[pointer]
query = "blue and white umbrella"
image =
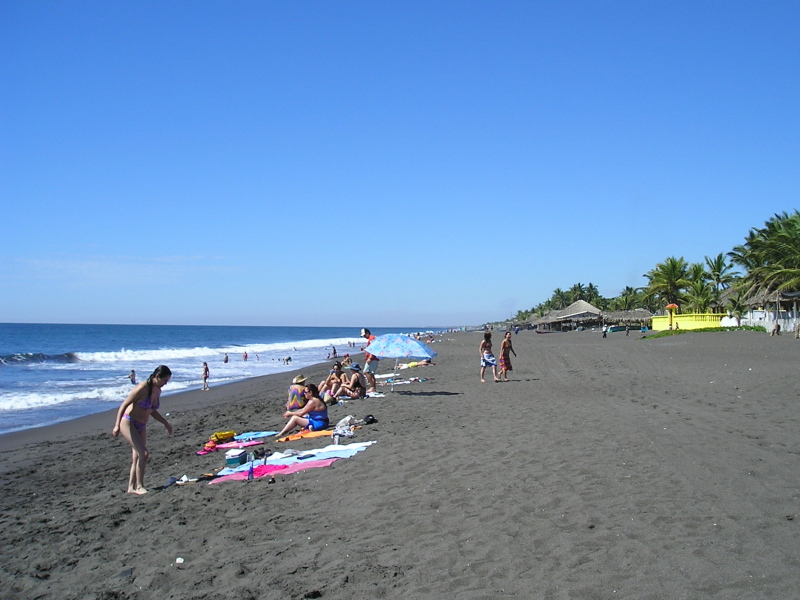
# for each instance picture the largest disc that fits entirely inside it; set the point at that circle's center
(397, 346)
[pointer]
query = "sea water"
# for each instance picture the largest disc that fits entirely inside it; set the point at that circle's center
(52, 373)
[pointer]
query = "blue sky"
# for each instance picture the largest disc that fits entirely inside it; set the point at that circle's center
(381, 163)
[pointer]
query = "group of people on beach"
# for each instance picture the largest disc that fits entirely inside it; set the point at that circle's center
(488, 359)
(305, 407)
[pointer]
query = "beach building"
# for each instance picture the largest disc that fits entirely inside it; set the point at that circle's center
(767, 309)
(581, 314)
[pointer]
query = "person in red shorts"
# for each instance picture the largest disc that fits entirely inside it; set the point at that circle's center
(370, 361)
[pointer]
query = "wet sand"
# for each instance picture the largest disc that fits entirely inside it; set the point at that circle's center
(617, 468)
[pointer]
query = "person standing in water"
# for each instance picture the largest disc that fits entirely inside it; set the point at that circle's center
(132, 416)
(205, 376)
(132, 377)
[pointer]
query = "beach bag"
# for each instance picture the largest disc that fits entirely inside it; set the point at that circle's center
(344, 428)
(220, 437)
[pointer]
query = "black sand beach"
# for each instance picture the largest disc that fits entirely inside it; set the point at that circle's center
(606, 469)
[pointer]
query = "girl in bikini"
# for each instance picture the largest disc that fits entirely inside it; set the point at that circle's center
(132, 417)
(487, 358)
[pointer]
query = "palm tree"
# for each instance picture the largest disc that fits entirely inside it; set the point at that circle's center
(577, 292)
(592, 293)
(628, 299)
(667, 280)
(721, 272)
(697, 272)
(699, 296)
(771, 255)
(560, 299)
(737, 307)
(543, 308)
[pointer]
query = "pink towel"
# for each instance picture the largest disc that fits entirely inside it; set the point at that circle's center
(265, 470)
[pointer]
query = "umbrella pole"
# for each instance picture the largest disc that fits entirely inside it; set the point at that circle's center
(396, 360)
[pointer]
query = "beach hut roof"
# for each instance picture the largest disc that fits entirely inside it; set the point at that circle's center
(578, 309)
(762, 297)
(638, 315)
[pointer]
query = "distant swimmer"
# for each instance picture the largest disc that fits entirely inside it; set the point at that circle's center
(244, 356)
(225, 360)
(132, 377)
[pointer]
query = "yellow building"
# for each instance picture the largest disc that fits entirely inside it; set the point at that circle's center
(686, 321)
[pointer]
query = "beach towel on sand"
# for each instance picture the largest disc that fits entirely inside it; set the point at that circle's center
(291, 457)
(266, 470)
(253, 435)
(304, 433)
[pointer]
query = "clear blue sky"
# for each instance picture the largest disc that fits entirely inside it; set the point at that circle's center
(379, 163)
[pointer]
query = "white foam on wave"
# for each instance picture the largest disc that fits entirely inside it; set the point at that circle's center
(27, 400)
(154, 356)
(165, 355)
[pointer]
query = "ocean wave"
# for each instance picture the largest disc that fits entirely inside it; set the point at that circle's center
(41, 399)
(165, 355)
(55, 397)
(37, 357)
(161, 355)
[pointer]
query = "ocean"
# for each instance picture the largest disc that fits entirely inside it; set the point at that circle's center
(52, 373)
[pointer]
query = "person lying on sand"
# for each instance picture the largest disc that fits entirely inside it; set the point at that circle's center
(314, 415)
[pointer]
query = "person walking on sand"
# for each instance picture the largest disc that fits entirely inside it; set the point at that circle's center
(370, 362)
(205, 376)
(506, 350)
(132, 416)
(487, 358)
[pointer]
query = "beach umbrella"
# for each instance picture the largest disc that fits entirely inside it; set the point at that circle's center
(397, 346)
(671, 308)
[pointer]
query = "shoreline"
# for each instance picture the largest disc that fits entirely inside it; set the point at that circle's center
(181, 402)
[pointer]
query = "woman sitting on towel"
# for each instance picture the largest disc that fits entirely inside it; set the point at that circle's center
(313, 415)
(333, 382)
(354, 386)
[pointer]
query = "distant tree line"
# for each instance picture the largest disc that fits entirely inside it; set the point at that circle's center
(769, 259)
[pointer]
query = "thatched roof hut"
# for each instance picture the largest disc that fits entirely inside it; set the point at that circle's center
(639, 316)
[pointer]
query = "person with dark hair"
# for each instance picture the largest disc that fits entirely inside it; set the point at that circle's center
(132, 416)
(354, 385)
(205, 376)
(370, 361)
(313, 415)
(506, 350)
(333, 381)
(487, 358)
